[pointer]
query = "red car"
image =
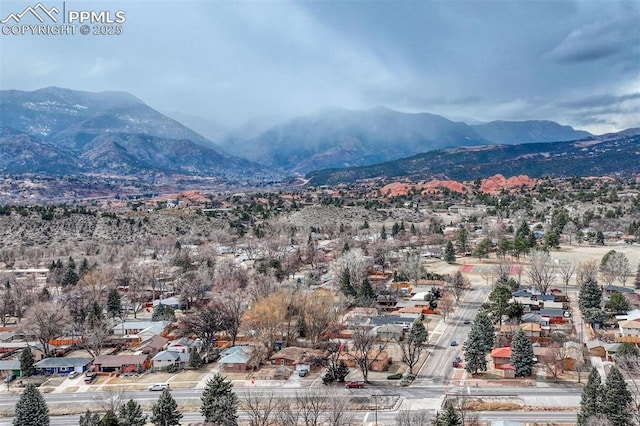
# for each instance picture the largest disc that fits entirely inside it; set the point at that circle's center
(354, 385)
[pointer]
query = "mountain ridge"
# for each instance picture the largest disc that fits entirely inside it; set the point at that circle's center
(607, 154)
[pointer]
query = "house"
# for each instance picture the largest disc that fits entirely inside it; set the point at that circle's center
(143, 330)
(62, 365)
(153, 345)
(121, 363)
(184, 347)
(298, 358)
(413, 312)
(389, 332)
(173, 302)
(36, 348)
(236, 358)
(629, 327)
(378, 360)
(573, 353)
(524, 298)
(608, 290)
(165, 359)
(531, 329)
(601, 349)
(403, 322)
(556, 316)
(8, 368)
(501, 357)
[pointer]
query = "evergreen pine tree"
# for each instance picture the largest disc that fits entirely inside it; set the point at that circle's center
(31, 408)
(71, 264)
(84, 267)
(591, 400)
(475, 355)
(219, 402)
(110, 419)
(341, 371)
(448, 417)
(590, 295)
(383, 232)
(114, 304)
(523, 230)
(165, 412)
(637, 280)
(131, 414)
(617, 399)
(485, 326)
(69, 278)
(366, 294)
(395, 229)
(195, 360)
(449, 253)
(163, 312)
(345, 284)
(521, 354)
(462, 241)
(89, 419)
(26, 362)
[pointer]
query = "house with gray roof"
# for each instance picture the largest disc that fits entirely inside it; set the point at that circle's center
(165, 359)
(62, 365)
(10, 367)
(236, 358)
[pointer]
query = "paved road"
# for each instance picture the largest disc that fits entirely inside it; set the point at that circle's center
(438, 369)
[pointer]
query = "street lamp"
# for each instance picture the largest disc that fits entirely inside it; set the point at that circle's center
(375, 399)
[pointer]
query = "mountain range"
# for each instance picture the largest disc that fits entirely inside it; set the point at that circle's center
(338, 138)
(616, 153)
(60, 132)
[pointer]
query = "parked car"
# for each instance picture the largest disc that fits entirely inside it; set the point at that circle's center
(354, 385)
(456, 362)
(466, 321)
(10, 378)
(454, 343)
(159, 386)
(303, 373)
(90, 376)
(73, 375)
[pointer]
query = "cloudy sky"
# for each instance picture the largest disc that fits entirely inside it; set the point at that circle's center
(575, 62)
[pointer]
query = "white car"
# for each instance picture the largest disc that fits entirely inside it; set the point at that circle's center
(73, 375)
(159, 386)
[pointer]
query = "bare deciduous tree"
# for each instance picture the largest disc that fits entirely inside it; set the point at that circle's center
(541, 271)
(311, 406)
(320, 311)
(45, 321)
(365, 348)
(554, 358)
(587, 271)
(337, 412)
(445, 304)
(112, 399)
(413, 418)
(566, 268)
(262, 407)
